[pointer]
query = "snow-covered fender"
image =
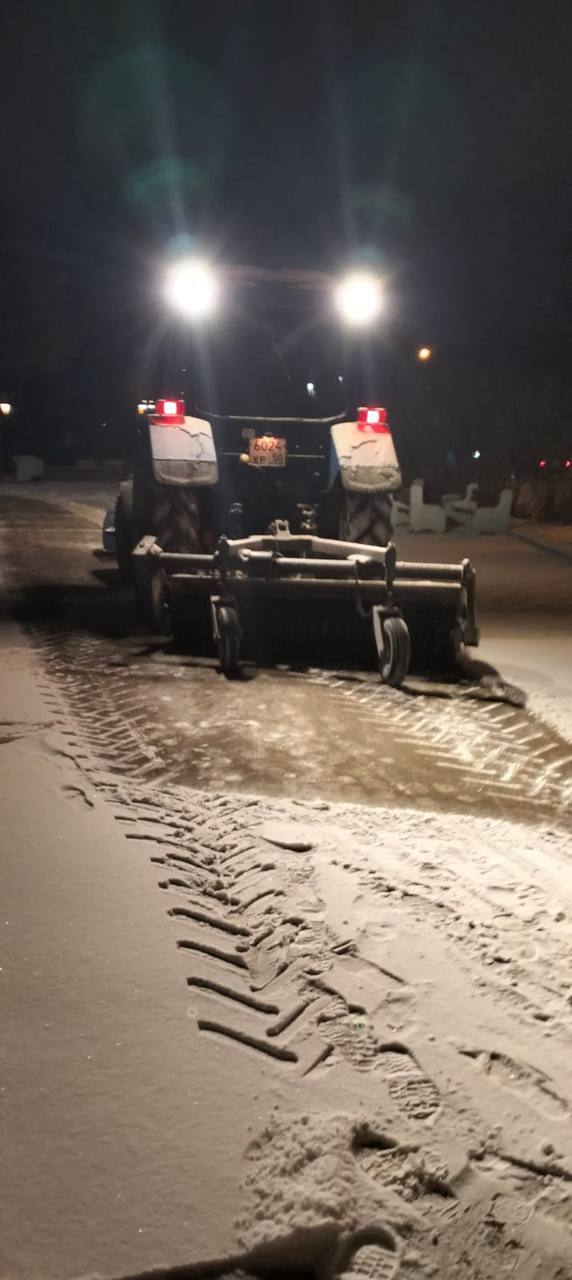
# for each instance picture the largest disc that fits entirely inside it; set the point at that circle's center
(183, 453)
(366, 459)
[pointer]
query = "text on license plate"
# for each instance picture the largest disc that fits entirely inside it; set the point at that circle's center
(268, 451)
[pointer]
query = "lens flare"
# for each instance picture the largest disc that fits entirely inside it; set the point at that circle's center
(359, 299)
(193, 289)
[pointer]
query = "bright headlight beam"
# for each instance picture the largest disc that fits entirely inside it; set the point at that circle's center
(359, 299)
(192, 288)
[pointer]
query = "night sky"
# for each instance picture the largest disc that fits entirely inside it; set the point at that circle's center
(431, 137)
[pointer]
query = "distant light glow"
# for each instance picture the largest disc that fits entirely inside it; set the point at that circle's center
(5, 408)
(542, 462)
(192, 288)
(476, 454)
(359, 299)
(568, 462)
(424, 353)
(340, 377)
(311, 388)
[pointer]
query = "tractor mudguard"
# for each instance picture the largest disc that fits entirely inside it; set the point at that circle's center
(367, 462)
(183, 453)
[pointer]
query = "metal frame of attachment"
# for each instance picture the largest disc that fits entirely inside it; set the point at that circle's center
(285, 566)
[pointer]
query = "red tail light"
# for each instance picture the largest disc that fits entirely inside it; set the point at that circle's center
(568, 462)
(373, 420)
(171, 411)
(542, 462)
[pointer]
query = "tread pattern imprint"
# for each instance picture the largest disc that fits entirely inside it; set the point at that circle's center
(450, 1156)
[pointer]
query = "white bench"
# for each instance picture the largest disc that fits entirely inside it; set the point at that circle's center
(461, 508)
(425, 517)
(494, 519)
(399, 513)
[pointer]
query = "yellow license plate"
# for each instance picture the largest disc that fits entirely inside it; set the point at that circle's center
(268, 451)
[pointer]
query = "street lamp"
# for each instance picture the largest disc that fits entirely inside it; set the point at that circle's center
(5, 410)
(359, 299)
(192, 287)
(424, 354)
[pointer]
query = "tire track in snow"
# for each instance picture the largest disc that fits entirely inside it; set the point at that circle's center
(436, 752)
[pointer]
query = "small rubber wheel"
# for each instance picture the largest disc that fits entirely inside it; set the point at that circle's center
(455, 647)
(439, 647)
(229, 641)
(394, 661)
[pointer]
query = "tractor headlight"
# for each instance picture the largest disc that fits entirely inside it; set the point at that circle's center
(359, 298)
(193, 288)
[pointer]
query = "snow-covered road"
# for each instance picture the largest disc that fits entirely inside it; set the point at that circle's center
(312, 1024)
(341, 735)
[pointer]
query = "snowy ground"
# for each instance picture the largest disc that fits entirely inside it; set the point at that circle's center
(524, 596)
(536, 656)
(93, 497)
(246, 1032)
(524, 592)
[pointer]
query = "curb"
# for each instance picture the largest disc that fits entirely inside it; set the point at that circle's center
(542, 546)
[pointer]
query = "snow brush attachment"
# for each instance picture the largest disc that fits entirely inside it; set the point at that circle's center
(279, 591)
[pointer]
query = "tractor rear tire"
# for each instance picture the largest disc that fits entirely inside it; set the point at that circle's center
(124, 531)
(151, 597)
(366, 517)
(176, 519)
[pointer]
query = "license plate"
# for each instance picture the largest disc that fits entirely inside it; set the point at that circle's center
(268, 451)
